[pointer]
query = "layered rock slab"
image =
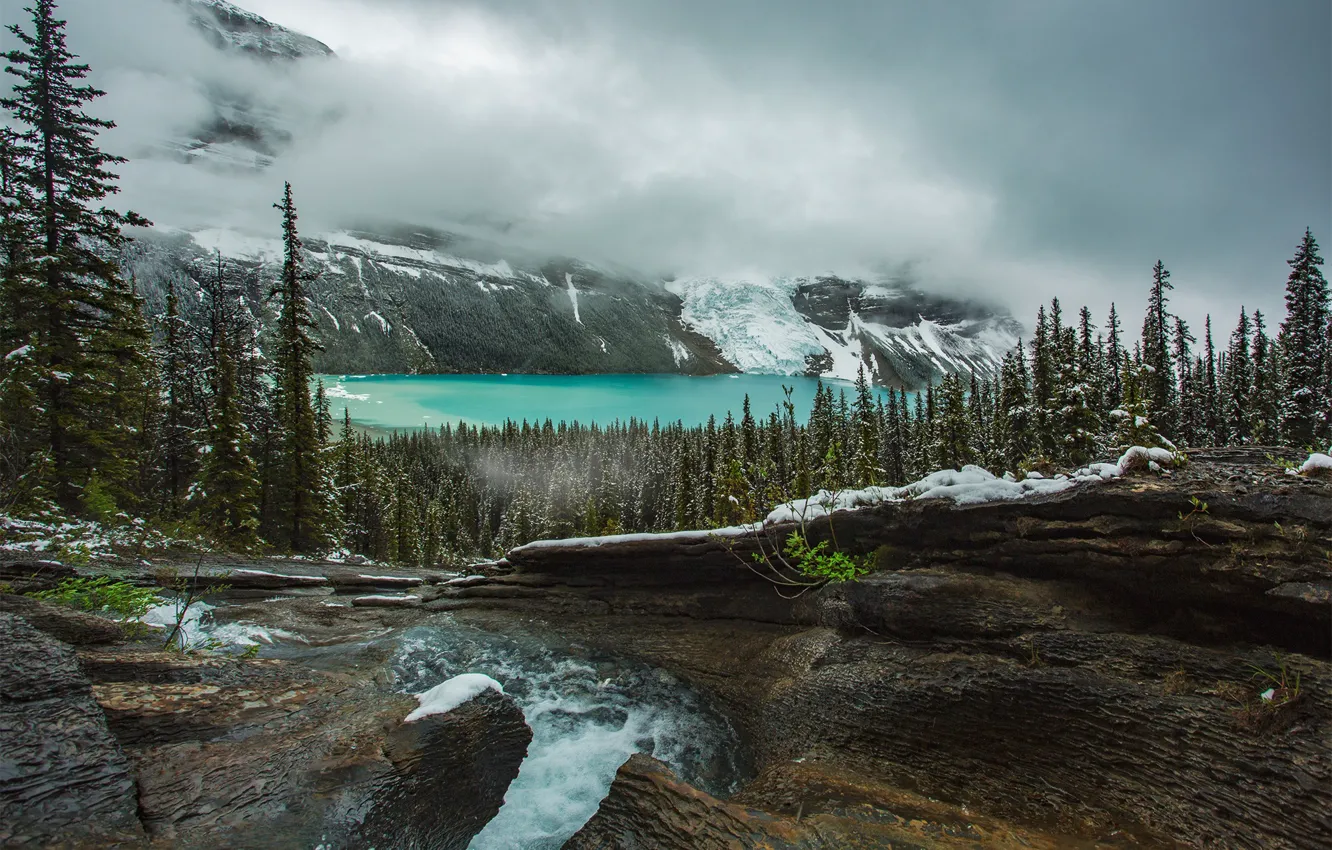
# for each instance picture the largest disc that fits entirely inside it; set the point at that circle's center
(1093, 662)
(269, 754)
(63, 776)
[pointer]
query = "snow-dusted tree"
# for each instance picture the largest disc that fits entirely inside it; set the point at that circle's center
(226, 500)
(1160, 386)
(62, 293)
(1114, 355)
(1237, 385)
(1303, 340)
(1264, 418)
(300, 509)
(865, 433)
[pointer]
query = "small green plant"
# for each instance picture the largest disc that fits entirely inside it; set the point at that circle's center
(1269, 701)
(1189, 521)
(6, 587)
(117, 599)
(1034, 658)
(1283, 688)
(818, 563)
(251, 651)
(72, 554)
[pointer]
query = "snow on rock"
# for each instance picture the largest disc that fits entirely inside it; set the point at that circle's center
(971, 485)
(1318, 463)
(1140, 457)
(285, 577)
(386, 601)
(448, 695)
(695, 535)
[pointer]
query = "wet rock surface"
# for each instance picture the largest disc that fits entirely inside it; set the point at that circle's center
(451, 774)
(650, 807)
(63, 775)
(270, 753)
(1113, 664)
(64, 624)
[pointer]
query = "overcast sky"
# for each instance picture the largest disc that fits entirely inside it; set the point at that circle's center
(1019, 149)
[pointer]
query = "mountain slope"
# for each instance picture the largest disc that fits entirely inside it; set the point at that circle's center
(421, 301)
(229, 27)
(830, 326)
(409, 299)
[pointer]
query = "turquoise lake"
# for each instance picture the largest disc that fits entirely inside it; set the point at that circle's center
(391, 402)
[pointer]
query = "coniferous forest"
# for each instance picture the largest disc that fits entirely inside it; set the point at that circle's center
(209, 422)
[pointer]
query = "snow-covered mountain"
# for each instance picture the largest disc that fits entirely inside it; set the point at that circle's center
(830, 326)
(405, 299)
(418, 300)
(244, 131)
(229, 27)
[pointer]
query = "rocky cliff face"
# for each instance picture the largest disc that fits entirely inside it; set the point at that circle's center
(229, 27)
(1108, 664)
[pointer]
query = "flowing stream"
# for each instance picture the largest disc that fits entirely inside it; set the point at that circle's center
(588, 714)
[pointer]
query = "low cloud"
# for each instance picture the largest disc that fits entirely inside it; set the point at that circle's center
(1018, 153)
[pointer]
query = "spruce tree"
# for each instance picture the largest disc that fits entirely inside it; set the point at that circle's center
(226, 500)
(63, 292)
(866, 433)
(1160, 388)
(1263, 408)
(181, 429)
(1237, 385)
(300, 489)
(1013, 417)
(953, 434)
(1114, 356)
(1303, 341)
(1211, 391)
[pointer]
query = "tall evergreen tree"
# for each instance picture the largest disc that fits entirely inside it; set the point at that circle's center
(64, 294)
(866, 433)
(1211, 391)
(1114, 357)
(1237, 385)
(226, 501)
(1303, 343)
(301, 509)
(1263, 407)
(1156, 350)
(953, 435)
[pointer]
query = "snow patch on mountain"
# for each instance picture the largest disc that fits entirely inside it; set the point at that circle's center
(573, 297)
(679, 351)
(753, 322)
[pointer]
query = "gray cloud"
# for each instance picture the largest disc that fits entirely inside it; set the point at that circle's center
(1021, 150)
